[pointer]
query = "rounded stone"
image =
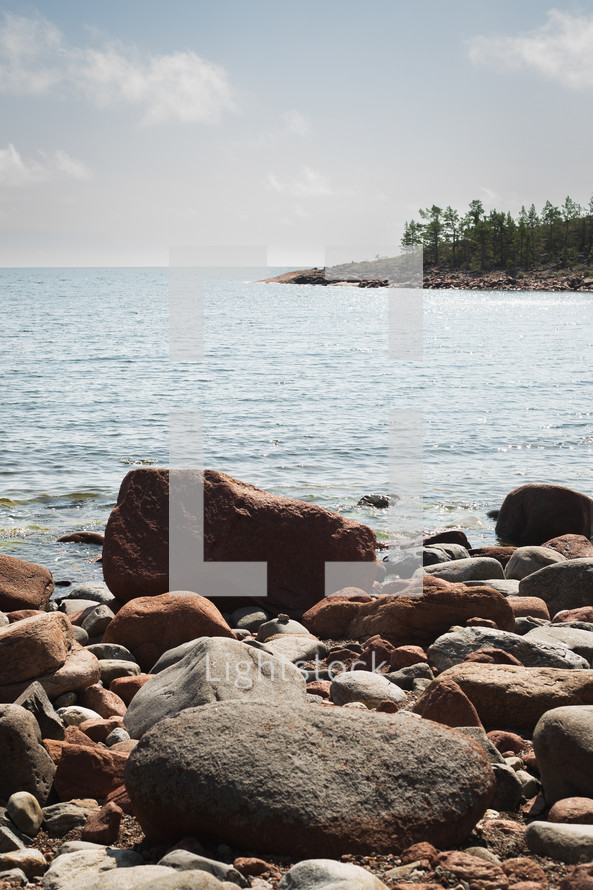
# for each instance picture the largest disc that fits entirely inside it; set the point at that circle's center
(25, 811)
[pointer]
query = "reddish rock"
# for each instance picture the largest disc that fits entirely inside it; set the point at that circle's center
(241, 523)
(530, 761)
(451, 536)
(492, 656)
(127, 687)
(125, 746)
(444, 702)
(98, 730)
(103, 701)
(77, 618)
(522, 870)
(75, 736)
(507, 741)
(102, 827)
(320, 688)
(405, 656)
(377, 653)
(534, 513)
(23, 613)
(85, 771)
(571, 546)
(34, 646)
(418, 853)
(502, 554)
(250, 865)
(23, 585)
(480, 622)
(150, 625)
(120, 797)
(82, 538)
(571, 810)
(81, 669)
(578, 878)
(429, 610)
(330, 617)
(387, 707)
(478, 873)
(529, 606)
(585, 613)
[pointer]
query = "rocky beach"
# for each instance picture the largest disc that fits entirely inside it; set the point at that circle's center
(422, 727)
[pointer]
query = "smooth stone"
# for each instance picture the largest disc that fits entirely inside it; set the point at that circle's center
(14, 874)
(476, 568)
(215, 669)
(75, 715)
(183, 860)
(296, 648)
(30, 861)
(524, 625)
(64, 701)
(569, 843)
(479, 735)
(84, 868)
(25, 811)
(75, 846)
(10, 840)
(80, 635)
(113, 668)
(60, 818)
(505, 586)
(527, 560)
(72, 606)
(159, 877)
(566, 585)
(452, 648)
(579, 641)
(327, 874)
(407, 676)
(248, 618)
(97, 622)
(110, 651)
(116, 735)
(563, 746)
(509, 789)
(25, 765)
(95, 591)
(366, 687)
(280, 626)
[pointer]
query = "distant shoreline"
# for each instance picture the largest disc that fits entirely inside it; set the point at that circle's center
(436, 279)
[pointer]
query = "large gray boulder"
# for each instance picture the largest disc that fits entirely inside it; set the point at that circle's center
(566, 585)
(563, 745)
(476, 568)
(574, 638)
(25, 765)
(527, 560)
(214, 669)
(452, 648)
(568, 843)
(303, 779)
(327, 874)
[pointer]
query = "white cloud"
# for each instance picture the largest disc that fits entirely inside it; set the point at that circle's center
(35, 58)
(311, 183)
(562, 50)
(17, 172)
(296, 122)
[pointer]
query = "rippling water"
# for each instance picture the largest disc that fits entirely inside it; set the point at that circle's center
(296, 389)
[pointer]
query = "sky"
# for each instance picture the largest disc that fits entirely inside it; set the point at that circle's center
(130, 128)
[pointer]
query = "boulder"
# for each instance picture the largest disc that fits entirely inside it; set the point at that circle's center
(571, 546)
(34, 646)
(566, 585)
(86, 770)
(23, 585)
(215, 669)
(25, 811)
(241, 523)
(527, 560)
(364, 686)
(327, 874)
(506, 696)
(84, 868)
(446, 703)
(427, 609)
(102, 826)
(150, 625)
(81, 669)
(24, 763)
(453, 648)
(577, 640)
(127, 687)
(331, 617)
(584, 614)
(251, 773)
(475, 568)
(563, 746)
(568, 843)
(528, 607)
(534, 513)
(572, 811)
(103, 701)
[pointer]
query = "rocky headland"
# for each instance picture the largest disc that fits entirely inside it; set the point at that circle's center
(426, 726)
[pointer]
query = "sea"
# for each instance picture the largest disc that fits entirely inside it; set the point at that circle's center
(297, 392)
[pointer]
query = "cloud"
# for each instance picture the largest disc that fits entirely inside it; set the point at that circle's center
(18, 172)
(35, 59)
(296, 122)
(561, 50)
(310, 184)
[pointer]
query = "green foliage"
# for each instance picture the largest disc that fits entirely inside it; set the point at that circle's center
(480, 241)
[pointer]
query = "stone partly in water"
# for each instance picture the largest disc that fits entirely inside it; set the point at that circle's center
(241, 523)
(534, 513)
(567, 585)
(307, 780)
(23, 585)
(213, 670)
(563, 745)
(151, 625)
(475, 568)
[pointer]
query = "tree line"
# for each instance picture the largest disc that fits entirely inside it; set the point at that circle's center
(559, 236)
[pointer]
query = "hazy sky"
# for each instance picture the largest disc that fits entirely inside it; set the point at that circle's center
(128, 127)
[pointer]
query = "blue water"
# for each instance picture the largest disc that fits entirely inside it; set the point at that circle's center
(296, 390)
